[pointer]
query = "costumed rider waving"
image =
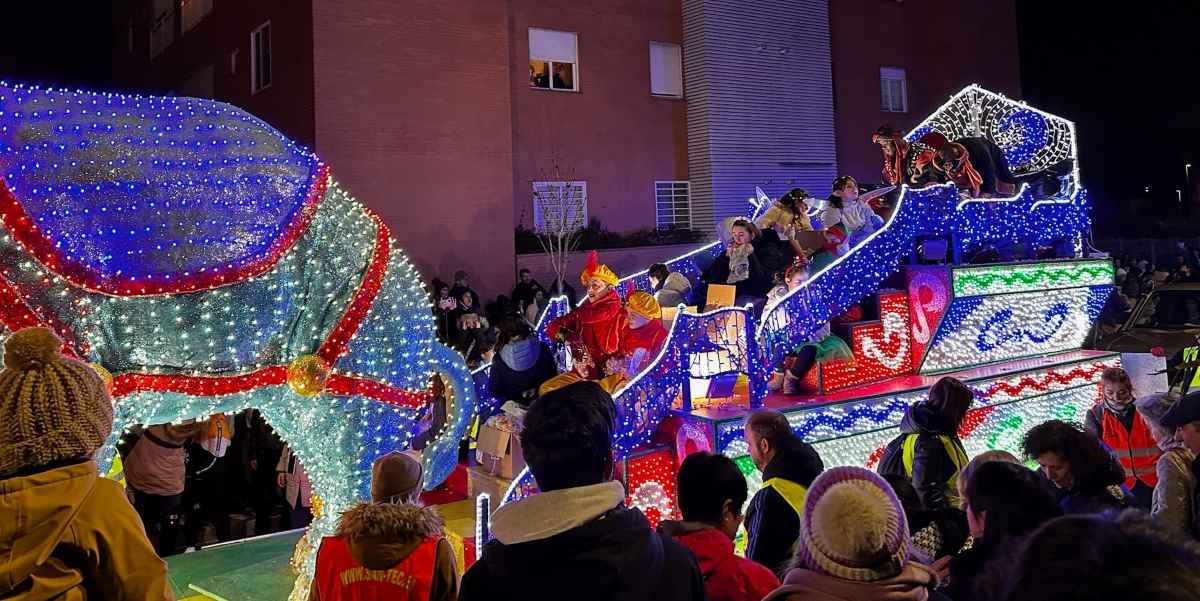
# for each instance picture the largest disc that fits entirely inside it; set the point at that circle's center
(593, 330)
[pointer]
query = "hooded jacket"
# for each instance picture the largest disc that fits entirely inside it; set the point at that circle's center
(521, 366)
(674, 291)
(580, 544)
(772, 525)
(727, 577)
(913, 583)
(932, 465)
(67, 534)
(380, 537)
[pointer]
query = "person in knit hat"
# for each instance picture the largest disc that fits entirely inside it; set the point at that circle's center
(595, 328)
(390, 548)
(854, 544)
(66, 533)
(646, 335)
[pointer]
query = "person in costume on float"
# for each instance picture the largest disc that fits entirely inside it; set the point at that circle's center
(645, 337)
(905, 163)
(977, 166)
(787, 217)
(740, 265)
(594, 329)
(823, 346)
(847, 221)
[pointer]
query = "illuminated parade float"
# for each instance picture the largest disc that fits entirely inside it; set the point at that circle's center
(206, 264)
(1010, 330)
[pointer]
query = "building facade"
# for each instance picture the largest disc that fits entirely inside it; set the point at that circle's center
(446, 117)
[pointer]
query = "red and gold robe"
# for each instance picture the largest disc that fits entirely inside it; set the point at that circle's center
(599, 326)
(651, 337)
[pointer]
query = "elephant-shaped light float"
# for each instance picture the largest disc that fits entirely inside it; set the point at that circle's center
(204, 263)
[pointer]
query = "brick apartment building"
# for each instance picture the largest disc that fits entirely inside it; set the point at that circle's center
(443, 116)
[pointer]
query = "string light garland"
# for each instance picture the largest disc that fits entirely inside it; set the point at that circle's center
(928, 297)
(1002, 312)
(212, 265)
(1031, 139)
(983, 329)
(1028, 277)
(882, 349)
(650, 485)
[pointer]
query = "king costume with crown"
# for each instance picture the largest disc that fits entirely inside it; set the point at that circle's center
(594, 330)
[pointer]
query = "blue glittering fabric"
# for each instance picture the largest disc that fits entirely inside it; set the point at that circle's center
(150, 186)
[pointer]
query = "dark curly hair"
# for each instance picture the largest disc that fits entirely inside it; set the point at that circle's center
(1088, 459)
(793, 198)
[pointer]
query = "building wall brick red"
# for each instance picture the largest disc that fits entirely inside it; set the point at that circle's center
(612, 133)
(943, 46)
(424, 110)
(287, 104)
(413, 116)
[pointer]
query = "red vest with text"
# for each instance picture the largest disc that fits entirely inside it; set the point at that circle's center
(340, 578)
(1136, 449)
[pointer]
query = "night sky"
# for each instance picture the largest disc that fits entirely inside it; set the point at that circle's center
(1121, 74)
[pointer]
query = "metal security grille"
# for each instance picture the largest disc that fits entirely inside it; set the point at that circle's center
(559, 206)
(673, 205)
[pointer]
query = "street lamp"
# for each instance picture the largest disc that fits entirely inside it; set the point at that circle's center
(1187, 181)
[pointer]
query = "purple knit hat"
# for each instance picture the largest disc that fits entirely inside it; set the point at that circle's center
(853, 527)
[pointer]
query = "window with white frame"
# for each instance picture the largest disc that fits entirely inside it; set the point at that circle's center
(894, 90)
(260, 58)
(559, 206)
(194, 11)
(553, 60)
(666, 70)
(672, 205)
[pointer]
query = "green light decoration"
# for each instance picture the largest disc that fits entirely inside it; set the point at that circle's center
(1000, 279)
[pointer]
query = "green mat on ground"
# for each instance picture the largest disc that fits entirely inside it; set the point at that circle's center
(254, 570)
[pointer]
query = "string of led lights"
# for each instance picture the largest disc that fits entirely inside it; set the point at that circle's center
(209, 264)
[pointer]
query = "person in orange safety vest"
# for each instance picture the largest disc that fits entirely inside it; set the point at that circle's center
(389, 549)
(1115, 421)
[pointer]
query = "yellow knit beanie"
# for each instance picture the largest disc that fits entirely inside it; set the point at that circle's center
(51, 408)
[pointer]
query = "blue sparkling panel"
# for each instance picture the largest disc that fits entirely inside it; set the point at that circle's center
(148, 186)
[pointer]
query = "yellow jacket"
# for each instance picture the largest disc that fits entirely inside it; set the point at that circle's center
(68, 535)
